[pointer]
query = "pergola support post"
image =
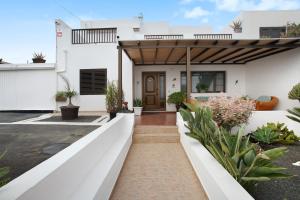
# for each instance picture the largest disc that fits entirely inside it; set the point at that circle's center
(120, 76)
(188, 73)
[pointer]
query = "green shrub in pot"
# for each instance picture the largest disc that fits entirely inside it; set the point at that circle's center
(112, 99)
(177, 98)
(137, 106)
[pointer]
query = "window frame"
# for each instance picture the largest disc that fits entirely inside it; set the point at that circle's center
(93, 91)
(215, 72)
(269, 29)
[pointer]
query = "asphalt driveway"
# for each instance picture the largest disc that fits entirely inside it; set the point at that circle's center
(8, 117)
(27, 145)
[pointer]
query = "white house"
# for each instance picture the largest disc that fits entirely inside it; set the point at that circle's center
(154, 59)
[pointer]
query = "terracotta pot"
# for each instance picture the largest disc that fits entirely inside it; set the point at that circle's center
(38, 60)
(69, 112)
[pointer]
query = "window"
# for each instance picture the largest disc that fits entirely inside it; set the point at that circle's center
(272, 32)
(209, 82)
(93, 81)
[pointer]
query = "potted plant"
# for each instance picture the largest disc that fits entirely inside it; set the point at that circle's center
(202, 88)
(69, 111)
(177, 98)
(237, 26)
(137, 106)
(60, 96)
(38, 58)
(112, 99)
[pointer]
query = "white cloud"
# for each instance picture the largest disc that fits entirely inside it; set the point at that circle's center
(237, 5)
(196, 13)
(185, 1)
(204, 20)
(188, 1)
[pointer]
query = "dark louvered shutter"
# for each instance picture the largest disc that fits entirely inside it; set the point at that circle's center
(93, 81)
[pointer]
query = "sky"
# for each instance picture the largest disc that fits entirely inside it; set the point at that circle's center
(27, 26)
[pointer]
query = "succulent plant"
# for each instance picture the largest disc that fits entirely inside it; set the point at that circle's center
(38, 56)
(295, 92)
(245, 161)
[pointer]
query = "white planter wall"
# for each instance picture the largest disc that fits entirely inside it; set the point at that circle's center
(87, 169)
(216, 181)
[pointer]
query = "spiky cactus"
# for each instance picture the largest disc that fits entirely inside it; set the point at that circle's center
(295, 92)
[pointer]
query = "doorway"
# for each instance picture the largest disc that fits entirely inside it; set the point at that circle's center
(154, 91)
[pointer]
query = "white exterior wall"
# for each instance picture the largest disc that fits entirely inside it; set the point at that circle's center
(27, 87)
(233, 73)
(274, 76)
(72, 58)
(253, 20)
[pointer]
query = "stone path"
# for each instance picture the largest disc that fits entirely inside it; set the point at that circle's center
(157, 168)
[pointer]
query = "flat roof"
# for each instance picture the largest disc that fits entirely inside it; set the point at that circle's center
(212, 51)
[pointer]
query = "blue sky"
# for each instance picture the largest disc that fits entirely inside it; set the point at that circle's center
(28, 26)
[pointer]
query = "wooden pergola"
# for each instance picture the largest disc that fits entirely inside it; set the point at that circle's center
(200, 52)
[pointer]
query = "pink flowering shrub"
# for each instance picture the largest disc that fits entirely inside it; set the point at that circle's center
(230, 111)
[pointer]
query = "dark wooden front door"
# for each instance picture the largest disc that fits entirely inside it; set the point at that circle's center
(151, 98)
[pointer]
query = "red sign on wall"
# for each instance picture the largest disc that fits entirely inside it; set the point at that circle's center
(59, 34)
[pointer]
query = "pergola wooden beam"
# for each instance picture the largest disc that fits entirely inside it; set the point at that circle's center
(141, 53)
(120, 87)
(253, 50)
(242, 50)
(272, 53)
(188, 72)
(184, 55)
(168, 57)
(156, 51)
(213, 46)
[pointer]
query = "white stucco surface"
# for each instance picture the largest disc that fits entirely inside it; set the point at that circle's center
(27, 87)
(216, 181)
(87, 169)
(233, 73)
(274, 76)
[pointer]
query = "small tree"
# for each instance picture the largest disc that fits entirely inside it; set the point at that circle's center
(177, 98)
(112, 98)
(68, 93)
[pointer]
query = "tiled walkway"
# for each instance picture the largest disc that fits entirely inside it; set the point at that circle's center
(156, 118)
(157, 168)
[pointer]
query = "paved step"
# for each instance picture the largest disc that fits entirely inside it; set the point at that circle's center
(155, 134)
(156, 138)
(155, 129)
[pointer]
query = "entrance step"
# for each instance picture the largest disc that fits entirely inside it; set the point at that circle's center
(155, 129)
(155, 134)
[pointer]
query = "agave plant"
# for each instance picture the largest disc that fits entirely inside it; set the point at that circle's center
(286, 136)
(243, 160)
(201, 126)
(295, 114)
(295, 92)
(265, 135)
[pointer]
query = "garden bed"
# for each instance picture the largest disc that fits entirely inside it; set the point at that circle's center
(285, 188)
